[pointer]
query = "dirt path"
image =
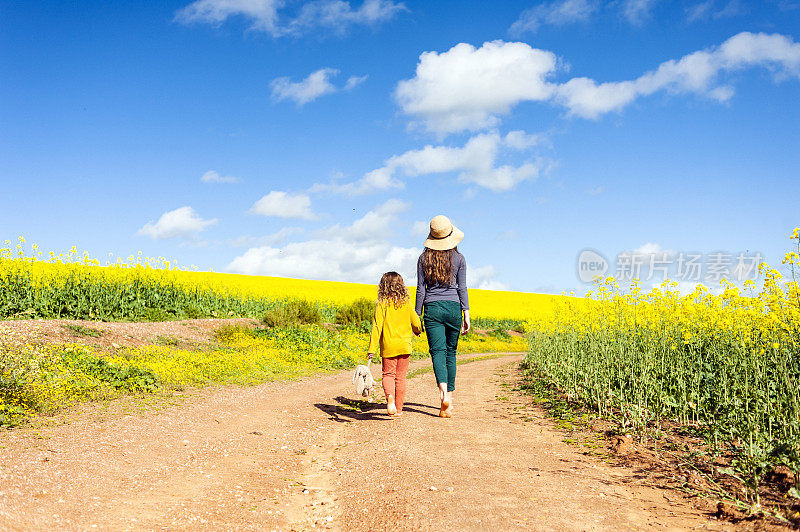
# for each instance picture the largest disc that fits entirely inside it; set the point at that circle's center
(298, 455)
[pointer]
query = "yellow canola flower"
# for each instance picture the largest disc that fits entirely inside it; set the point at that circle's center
(56, 269)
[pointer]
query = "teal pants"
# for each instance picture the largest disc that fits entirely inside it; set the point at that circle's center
(442, 321)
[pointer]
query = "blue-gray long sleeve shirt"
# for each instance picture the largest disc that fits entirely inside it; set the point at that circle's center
(455, 291)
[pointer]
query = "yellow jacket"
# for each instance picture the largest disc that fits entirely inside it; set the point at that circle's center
(392, 329)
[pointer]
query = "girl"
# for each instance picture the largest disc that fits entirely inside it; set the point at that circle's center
(392, 326)
(442, 294)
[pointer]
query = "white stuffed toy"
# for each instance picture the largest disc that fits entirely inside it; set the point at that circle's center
(362, 378)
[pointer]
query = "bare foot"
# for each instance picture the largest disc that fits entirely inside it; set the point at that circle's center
(444, 410)
(390, 408)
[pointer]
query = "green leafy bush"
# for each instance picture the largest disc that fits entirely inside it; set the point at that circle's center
(491, 324)
(80, 330)
(192, 312)
(228, 333)
(500, 334)
(128, 378)
(11, 415)
(358, 314)
(293, 312)
(44, 379)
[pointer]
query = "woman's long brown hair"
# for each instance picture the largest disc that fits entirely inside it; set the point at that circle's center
(437, 266)
(392, 290)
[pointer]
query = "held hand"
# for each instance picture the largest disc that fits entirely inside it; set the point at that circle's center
(369, 356)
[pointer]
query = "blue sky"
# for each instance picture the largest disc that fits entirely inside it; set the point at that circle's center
(316, 139)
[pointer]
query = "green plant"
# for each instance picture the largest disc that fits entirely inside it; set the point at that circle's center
(358, 314)
(192, 312)
(11, 415)
(155, 314)
(227, 333)
(43, 290)
(500, 333)
(129, 378)
(724, 366)
(508, 324)
(80, 330)
(307, 312)
(293, 312)
(168, 340)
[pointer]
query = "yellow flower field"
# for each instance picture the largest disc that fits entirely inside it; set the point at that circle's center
(44, 286)
(727, 364)
(483, 303)
(43, 378)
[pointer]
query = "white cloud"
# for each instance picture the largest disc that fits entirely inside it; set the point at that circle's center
(262, 13)
(338, 16)
(315, 85)
(213, 177)
(707, 10)
(650, 248)
(731, 9)
(637, 11)
(699, 11)
(353, 82)
(596, 190)
(466, 88)
(693, 73)
(275, 238)
(301, 92)
(328, 260)
(183, 222)
(555, 13)
(284, 205)
(334, 15)
(359, 252)
(483, 278)
(376, 224)
(420, 228)
(475, 162)
(519, 140)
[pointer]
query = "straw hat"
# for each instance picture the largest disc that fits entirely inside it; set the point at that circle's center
(444, 235)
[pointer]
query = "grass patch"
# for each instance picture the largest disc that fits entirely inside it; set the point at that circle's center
(506, 324)
(501, 334)
(80, 330)
(45, 379)
(358, 314)
(168, 340)
(294, 312)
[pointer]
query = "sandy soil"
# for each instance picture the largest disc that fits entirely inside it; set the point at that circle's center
(303, 455)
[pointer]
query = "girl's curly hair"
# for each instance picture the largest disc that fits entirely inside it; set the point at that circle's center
(437, 266)
(392, 290)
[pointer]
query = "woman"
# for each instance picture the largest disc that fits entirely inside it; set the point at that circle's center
(441, 300)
